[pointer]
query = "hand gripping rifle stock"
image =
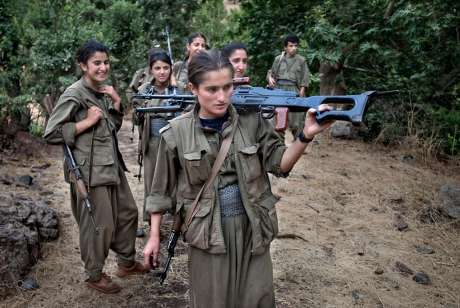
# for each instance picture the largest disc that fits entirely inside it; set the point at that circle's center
(350, 108)
(79, 183)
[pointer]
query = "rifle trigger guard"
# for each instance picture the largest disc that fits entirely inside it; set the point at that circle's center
(267, 112)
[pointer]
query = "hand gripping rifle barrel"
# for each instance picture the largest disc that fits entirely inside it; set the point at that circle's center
(349, 108)
(79, 183)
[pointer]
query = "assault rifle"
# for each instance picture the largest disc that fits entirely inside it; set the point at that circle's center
(172, 241)
(80, 185)
(349, 108)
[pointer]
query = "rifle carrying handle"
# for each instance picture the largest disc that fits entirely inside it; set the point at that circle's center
(281, 118)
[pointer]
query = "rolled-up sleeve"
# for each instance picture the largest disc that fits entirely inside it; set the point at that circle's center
(271, 148)
(161, 197)
(61, 124)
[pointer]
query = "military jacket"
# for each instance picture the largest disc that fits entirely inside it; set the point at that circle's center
(180, 72)
(141, 76)
(145, 120)
(184, 163)
(96, 149)
(293, 69)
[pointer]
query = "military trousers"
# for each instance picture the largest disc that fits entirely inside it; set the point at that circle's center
(115, 215)
(236, 279)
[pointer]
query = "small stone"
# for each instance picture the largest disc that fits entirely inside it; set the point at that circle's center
(25, 180)
(408, 159)
(450, 200)
(424, 249)
(422, 278)
(403, 269)
(357, 296)
(29, 284)
(46, 193)
(400, 224)
(43, 166)
(140, 232)
(378, 271)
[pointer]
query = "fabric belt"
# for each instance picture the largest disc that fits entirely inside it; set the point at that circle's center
(155, 125)
(285, 82)
(230, 201)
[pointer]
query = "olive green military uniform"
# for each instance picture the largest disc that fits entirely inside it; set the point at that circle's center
(140, 77)
(230, 264)
(101, 164)
(149, 138)
(180, 72)
(291, 73)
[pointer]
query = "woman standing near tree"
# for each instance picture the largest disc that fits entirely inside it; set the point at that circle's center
(87, 118)
(230, 228)
(160, 70)
(195, 42)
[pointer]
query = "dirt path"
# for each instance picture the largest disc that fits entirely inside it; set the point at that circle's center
(338, 243)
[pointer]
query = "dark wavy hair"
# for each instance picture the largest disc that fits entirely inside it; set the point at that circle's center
(206, 61)
(228, 49)
(291, 38)
(88, 49)
(194, 35)
(159, 55)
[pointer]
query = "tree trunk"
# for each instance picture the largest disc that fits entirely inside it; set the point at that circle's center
(331, 79)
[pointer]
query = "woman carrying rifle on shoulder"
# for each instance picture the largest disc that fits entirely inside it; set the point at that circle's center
(230, 228)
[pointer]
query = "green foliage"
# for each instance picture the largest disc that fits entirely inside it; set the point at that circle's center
(177, 14)
(39, 38)
(211, 19)
(380, 45)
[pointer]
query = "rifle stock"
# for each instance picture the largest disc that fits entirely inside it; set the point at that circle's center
(79, 183)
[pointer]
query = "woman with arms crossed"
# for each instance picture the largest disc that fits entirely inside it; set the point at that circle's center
(230, 232)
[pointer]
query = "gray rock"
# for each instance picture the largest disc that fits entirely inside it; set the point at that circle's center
(424, 249)
(23, 224)
(357, 296)
(140, 232)
(25, 180)
(408, 159)
(344, 130)
(400, 224)
(403, 269)
(29, 284)
(422, 278)
(450, 200)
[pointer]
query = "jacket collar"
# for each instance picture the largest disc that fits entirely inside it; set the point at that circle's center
(90, 89)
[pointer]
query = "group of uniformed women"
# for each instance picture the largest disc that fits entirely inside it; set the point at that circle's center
(229, 222)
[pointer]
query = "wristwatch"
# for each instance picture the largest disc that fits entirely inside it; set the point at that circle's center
(304, 139)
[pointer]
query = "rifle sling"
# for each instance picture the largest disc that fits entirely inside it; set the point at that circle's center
(224, 147)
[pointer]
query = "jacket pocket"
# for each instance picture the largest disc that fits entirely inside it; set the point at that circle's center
(268, 219)
(104, 171)
(196, 167)
(252, 168)
(197, 234)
